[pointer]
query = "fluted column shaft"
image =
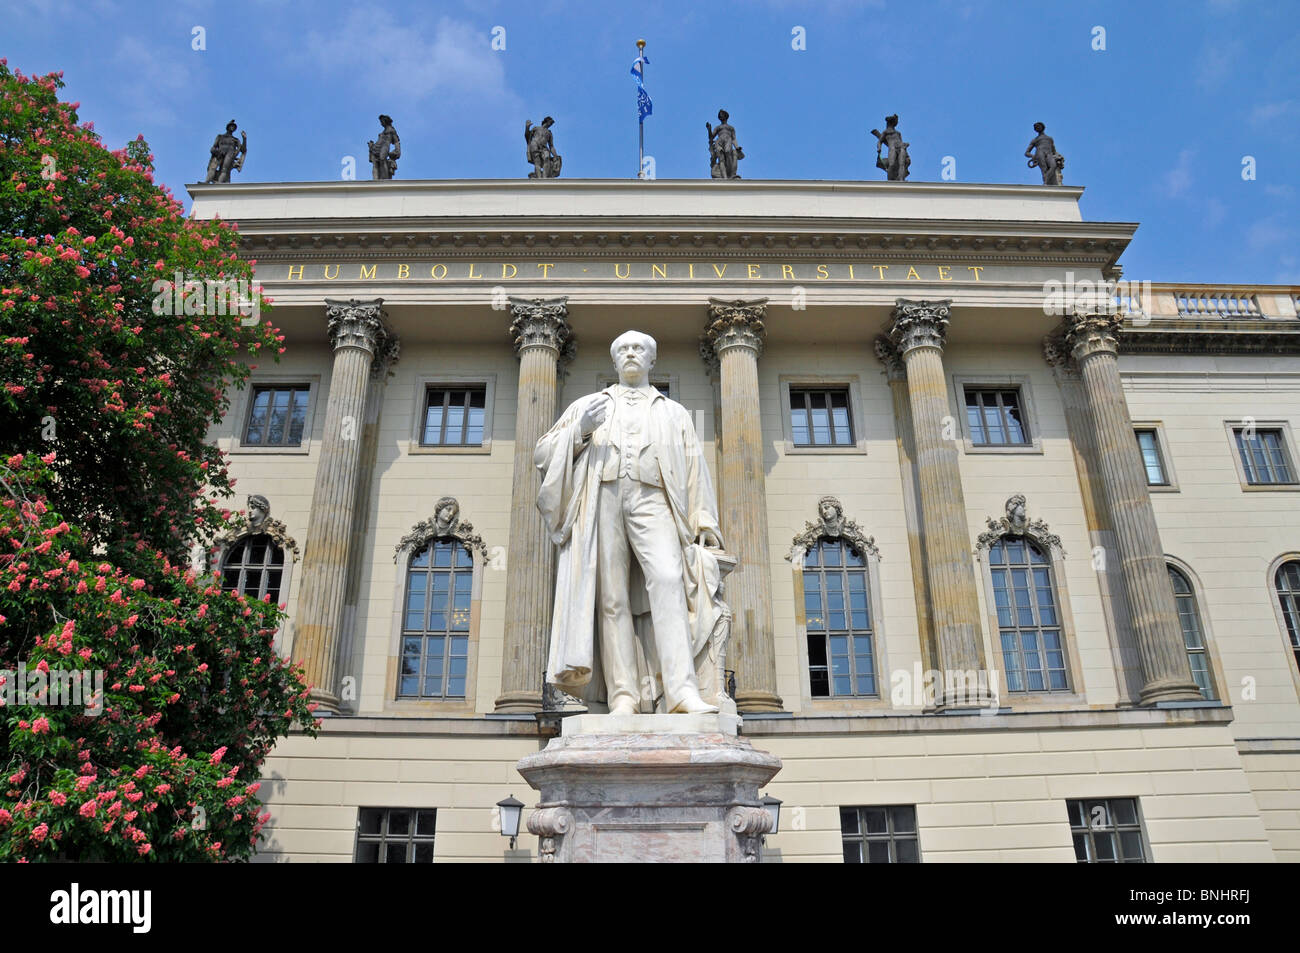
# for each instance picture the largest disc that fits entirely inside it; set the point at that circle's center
(542, 339)
(362, 344)
(1166, 676)
(917, 332)
(734, 339)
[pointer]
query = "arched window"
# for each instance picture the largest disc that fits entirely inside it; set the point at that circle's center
(254, 566)
(436, 620)
(1287, 582)
(1190, 620)
(1029, 622)
(835, 560)
(841, 649)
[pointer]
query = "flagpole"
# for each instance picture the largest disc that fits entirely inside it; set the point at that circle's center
(640, 120)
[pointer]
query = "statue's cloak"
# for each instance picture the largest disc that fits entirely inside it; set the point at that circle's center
(568, 500)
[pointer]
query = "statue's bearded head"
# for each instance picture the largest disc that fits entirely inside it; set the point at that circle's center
(634, 355)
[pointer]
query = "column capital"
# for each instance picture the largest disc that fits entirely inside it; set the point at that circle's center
(542, 322)
(1088, 334)
(917, 324)
(362, 324)
(888, 355)
(733, 323)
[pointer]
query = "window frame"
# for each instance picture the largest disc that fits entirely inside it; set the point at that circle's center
(394, 701)
(826, 633)
(285, 561)
(412, 837)
(857, 422)
(245, 415)
(843, 703)
(1288, 449)
(1117, 829)
(1276, 601)
(1026, 700)
(1028, 410)
(863, 838)
(1210, 650)
(1162, 449)
(427, 382)
(1038, 626)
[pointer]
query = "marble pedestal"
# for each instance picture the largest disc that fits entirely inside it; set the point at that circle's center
(649, 789)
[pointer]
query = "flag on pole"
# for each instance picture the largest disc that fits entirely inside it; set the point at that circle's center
(644, 107)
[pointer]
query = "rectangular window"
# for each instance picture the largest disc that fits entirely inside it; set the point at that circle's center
(1106, 831)
(277, 415)
(819, 417)
(841, 653)
(1149, 445)
(395, 835)
(995, 417)
(1264, 458)
(880, 835)
(454, 416)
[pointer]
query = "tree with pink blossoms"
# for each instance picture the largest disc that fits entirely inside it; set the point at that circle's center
(105, 481)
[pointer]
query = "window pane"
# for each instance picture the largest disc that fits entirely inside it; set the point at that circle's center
(903, 818)
(878, 852)
(908, 851)
(875, 820)
(372, 820)
(848, 820)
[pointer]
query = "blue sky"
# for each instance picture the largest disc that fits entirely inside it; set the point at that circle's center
(1156, 125)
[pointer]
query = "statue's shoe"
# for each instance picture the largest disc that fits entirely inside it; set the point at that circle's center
(695, 706)
(623, 708)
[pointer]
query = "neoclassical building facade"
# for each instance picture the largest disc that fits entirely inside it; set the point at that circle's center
(1019, 557)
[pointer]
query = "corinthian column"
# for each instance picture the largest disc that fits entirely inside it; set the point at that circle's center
(363, 349)
(732, 342)
(1093, 343)
(543, 340)
(917, 334)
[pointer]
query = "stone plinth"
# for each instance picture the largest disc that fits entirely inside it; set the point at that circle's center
(649, 789)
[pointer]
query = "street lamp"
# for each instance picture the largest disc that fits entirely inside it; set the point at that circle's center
(510, 811)
(773, 807)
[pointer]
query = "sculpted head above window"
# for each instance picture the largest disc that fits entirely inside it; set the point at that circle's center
(259, 508)
(445, 516)
(831, 512)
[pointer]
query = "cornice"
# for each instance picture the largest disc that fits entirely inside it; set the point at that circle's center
(1220, 336)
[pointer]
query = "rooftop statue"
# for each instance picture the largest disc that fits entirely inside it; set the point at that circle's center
(385, 151)
(897, 162)
(541, 150)
(227, 154)
(724, 153)
(1043, 155)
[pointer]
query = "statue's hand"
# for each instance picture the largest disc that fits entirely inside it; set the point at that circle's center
(709, 539)
(593, 417)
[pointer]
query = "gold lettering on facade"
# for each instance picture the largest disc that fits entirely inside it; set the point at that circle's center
(328, 276)
(510, 274)
(435, 273)
(977, 269)
(943, 272)
(403, 271)
(911, 273)
(721, 273)
(367, 271)
(787, 272)
(659, 271)
(546, 267)
(471, 272)
(822, 273)
(625, 273)
(850, 272)
(880, 270)
(292, 276)
(753, 271)
(691, 266)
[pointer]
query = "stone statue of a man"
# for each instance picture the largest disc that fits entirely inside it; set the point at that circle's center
(897, 162)
(1042, 155)
(541, 149)
(385, 151)
(724, 152)
(627, 497)
(227, 154)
